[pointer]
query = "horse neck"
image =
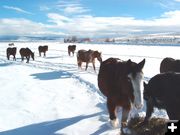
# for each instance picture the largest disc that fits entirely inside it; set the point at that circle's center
(31, 53)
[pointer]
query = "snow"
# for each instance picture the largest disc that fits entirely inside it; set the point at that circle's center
(52, 96)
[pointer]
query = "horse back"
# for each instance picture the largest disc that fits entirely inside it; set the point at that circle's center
(165, 86)
(43, 48)
(46, 48)
(83, 55)
(11, 50)
(25, 52)
(72, 47)
(108, 76)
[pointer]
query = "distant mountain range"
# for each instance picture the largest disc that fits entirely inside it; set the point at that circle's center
(30, 38)
(160, 38)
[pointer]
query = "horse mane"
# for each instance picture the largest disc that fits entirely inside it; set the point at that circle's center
(29, 50)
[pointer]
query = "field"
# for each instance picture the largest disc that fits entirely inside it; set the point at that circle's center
(52, 96)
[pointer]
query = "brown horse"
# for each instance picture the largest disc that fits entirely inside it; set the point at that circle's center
(88, 57)
(26, 52)
(11, 51)
(122, 83)
(43, 49)
(169, 64)
(71, 48)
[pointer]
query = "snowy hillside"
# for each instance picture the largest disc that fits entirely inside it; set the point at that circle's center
(160, 38)
(51, 96)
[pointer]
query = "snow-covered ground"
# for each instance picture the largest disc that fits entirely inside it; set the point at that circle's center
(52, 96)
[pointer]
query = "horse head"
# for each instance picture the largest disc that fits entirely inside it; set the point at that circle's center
(135, 76)
(98, 56)
(46, 48)
(32, 55)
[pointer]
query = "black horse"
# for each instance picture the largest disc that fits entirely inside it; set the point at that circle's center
(122, 83)
(43, 49)
(163, 92)
(26, 52)
(71, 48)
(169, 64)
(11, 51)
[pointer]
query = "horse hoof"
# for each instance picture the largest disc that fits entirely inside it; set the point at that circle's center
(115, 123)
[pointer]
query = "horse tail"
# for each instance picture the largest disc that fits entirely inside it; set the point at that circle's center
(77, 55)
(7, 54)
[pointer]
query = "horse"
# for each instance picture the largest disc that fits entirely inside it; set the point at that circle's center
(163, 92)
(122, 83)
(26, 52)
(11, 44)
(169, 64)
(43, 49)
(71, 48)
(88, 57)
(11, 51)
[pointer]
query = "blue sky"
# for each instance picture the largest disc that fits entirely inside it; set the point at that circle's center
(88, 18)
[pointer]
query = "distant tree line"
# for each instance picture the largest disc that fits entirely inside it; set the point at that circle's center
(74, 39)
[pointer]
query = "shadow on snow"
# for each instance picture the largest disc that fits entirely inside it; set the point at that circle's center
(52, 75)
(47, 128)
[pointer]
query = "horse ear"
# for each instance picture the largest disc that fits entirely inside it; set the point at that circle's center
(145, 84)
(140, 65)
(129, 61)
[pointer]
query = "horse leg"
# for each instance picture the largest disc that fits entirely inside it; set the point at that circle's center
(149, 110)
(27, 59)
(14, 58)
(44, 54)
(22, 58)
(7, 56)
(94, 66)
(86, 65)
(172, 111)
(125, 114)
(171, 114)
(40, 54)
(112, 115)
(79, 64)
(69, 53)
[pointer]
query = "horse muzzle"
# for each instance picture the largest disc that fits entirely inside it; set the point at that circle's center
(139, 106)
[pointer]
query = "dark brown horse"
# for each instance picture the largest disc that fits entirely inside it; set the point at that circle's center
(122, 83)
(11, 51)
(88, 57)
(169, 64)
(71, 49)
(26, 52)
(43, 49)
